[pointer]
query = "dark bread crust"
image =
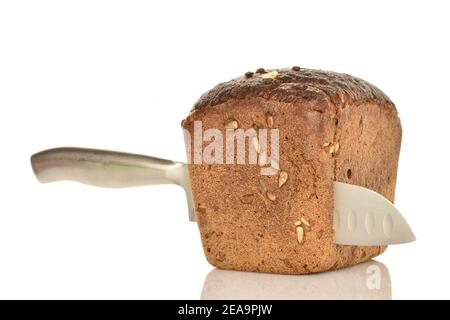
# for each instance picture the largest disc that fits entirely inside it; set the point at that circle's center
(309, 108)
(296, 86)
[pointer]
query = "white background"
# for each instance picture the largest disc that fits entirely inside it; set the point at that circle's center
(121, 75)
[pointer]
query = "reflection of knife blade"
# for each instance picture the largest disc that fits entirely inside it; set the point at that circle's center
(362, 217)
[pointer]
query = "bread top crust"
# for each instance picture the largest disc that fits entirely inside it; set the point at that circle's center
(296, 85)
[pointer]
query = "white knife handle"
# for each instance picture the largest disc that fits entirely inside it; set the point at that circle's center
(103, 168)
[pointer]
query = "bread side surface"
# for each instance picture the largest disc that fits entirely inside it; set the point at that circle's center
(370, 138)
(332, 127)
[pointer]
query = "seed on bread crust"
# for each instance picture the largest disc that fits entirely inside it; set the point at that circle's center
(231, 124)
(336, 147)
(298, 223)
(262, 159)
(300, 234)
(332, 147)
(282, 178)
(305, 222)
(271, 196)
(270, 75)
(255, 143)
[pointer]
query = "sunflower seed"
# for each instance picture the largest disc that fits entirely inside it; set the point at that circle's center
(305, 222)
(336, 147)
(333, 147)
(300, 234)
(255, 143)
(262, 159)
(282, 178)
(231, 124)
(271, 196)
(270, 75)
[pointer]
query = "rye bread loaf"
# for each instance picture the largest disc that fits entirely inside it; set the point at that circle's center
(332, 127)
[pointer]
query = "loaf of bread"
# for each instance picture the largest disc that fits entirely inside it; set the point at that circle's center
(332, 127)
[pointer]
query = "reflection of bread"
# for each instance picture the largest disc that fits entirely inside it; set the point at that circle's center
(332, 127)
(369, 280)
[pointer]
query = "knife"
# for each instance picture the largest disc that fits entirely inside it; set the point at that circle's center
(361, 216)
